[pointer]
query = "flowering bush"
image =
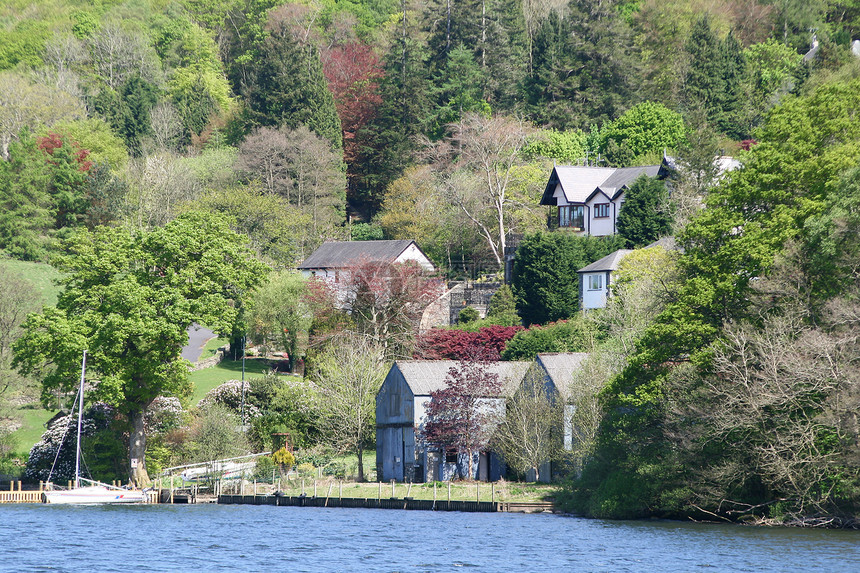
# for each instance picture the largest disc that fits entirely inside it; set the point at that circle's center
(229, 395)
(163, 414)
(62, 434)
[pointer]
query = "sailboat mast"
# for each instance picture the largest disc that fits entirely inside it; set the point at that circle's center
(80, 422)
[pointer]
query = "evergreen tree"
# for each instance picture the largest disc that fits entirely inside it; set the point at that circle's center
(703, 84)
(25, 203)
(645, 216)
(714, 80)
(287, 88)
(583, 70)
(403, 114)
(459, 91)
(728, 117)
(544, 279)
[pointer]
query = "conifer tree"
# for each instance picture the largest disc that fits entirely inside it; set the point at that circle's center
(287, 88)
(645, 216)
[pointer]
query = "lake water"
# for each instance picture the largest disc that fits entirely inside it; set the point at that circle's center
(201, 538)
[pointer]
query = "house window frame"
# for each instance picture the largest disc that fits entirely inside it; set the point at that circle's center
(571, 217)
(601, 208)
(591, 282)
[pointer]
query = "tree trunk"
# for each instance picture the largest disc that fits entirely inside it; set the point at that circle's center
(137, 450)
(360, 453)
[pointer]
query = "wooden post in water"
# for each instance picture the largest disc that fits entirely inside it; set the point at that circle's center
(379, 492)
(303, 487)
(449, 491)
(392, 489)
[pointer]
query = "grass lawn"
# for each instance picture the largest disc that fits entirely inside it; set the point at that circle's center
(460, 491)
(212, 347)
(32, 429)
(208, 378)
(41, 275)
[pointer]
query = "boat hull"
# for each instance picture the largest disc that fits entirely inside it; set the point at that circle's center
(93, 495)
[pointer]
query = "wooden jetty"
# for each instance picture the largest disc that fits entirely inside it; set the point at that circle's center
(390, 503)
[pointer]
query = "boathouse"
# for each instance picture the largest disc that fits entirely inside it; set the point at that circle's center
(400, 411)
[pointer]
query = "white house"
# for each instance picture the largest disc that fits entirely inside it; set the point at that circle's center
(333, 260)
(589, 199)
(595, 279)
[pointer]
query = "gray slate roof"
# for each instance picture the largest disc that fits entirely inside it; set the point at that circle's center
(579, 182)
(426, 376)
(559, 366)
(625, 176)
(607, 263)
(342, 254)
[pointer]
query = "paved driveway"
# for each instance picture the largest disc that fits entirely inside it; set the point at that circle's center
(198, 336)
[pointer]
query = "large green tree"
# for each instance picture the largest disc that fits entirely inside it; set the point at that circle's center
(645, 215)
(128, 299)
(731, 251)
(287, 87)
(544, 278)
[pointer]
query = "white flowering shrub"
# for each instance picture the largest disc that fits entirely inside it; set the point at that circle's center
(165, 413)
(229, 395)
(96, 418)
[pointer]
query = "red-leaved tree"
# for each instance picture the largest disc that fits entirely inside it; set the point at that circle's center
(462, 415)
(353, 72)
(486, 343)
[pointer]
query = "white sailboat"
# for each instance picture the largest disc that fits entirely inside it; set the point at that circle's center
(95, 493)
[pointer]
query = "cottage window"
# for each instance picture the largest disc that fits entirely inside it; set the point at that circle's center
(571, 216)
(451, 456)
(601, 210)
(595, 282)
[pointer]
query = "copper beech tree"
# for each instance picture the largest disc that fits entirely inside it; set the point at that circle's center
(462, 415)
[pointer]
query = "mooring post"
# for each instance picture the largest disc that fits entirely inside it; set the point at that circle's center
(340, 489)
(315, 488)
(477, 491)
(449, 491)
(434, 494)
(392, 489)
(493, 492)
(303, 487)
(379, 492)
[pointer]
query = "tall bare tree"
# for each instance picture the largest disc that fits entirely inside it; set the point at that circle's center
(483, 152)
(532, 431)
(348, 372)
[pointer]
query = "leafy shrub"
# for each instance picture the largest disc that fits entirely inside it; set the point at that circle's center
(467, 315)
(452, 344)
(575, 335)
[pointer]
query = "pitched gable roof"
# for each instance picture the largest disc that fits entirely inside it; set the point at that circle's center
(625, 176)
(578, 183)
(560, 366)
(426, 376)
(342, 254)
(607, 263)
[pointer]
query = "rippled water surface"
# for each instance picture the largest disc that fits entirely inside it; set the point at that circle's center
(264, 538)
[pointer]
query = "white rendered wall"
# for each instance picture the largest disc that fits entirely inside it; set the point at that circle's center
(593, 298)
